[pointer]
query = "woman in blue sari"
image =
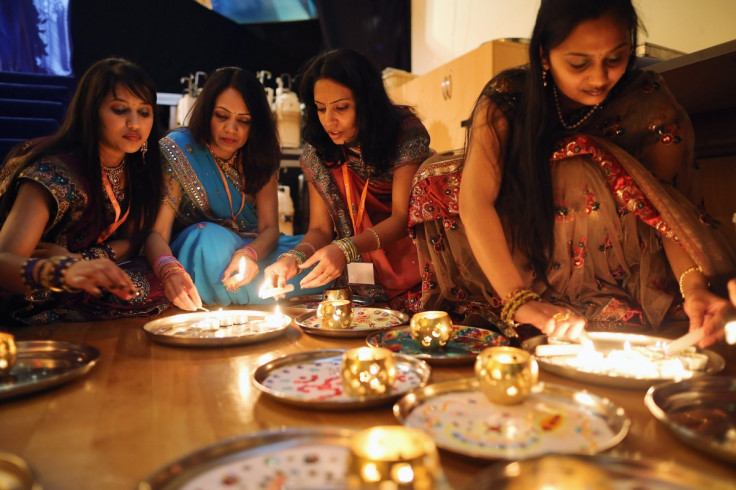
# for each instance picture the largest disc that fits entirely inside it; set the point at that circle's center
(220, 204)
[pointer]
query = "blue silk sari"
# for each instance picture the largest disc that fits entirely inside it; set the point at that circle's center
(206, 236)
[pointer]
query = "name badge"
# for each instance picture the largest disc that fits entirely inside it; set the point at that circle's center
(360, 273)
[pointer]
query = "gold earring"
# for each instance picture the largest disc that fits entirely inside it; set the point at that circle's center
(144, 149)
(544, 77)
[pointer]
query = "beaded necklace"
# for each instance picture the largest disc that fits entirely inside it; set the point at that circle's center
(562, 119)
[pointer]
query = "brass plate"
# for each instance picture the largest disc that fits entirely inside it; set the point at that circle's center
(42, 364)
(700, 411)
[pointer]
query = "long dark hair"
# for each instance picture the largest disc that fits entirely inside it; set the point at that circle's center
(261, 154)
(525, 196)
(79, 135)
(378, 120)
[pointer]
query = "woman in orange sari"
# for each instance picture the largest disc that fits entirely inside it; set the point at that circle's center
(361, 155)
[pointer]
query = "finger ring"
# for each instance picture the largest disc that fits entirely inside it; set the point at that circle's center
(326, 275)
(561, 317)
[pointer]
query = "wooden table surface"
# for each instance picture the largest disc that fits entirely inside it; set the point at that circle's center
(147, 404)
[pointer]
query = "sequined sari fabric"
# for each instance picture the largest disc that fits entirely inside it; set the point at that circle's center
(621, 182)
(72, 226)
(395, 266)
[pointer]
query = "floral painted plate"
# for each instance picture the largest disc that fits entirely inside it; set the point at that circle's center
(290, 458)
(312, 380)
(553, 419)
(466, 344)
(366, 320)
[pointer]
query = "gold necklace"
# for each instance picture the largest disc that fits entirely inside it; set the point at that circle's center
(562, 120)
(114, 177)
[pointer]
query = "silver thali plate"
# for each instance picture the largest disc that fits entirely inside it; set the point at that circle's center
(605, 342)
(290, 458)
(217, 328)
(312, 380)
(701, 412)
(593, 472)
(366, 320)
(554, 418)
(42, 364)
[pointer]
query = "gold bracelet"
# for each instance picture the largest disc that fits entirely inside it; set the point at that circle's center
(378, 239)
(695, 268)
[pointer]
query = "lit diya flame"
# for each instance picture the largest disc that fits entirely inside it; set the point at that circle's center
(276, 318)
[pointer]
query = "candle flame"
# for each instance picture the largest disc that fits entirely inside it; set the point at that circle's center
(731, 332)
(241, 270)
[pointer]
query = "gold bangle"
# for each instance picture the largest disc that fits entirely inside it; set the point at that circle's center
(695, 268)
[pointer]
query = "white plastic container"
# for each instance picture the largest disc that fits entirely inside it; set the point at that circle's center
(288, 116)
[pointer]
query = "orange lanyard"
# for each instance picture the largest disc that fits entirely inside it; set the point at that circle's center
(357, 219)
(107, 232)
(229, 197)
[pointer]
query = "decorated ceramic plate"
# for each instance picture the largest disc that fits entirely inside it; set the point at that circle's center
(553, 419)
(291, 458)
(297, 305)
(624, 360)
(700, 411)
(366, 320)
(42, 364)
(217, 328)
(312, 379)
(466, 344)
(592, 472)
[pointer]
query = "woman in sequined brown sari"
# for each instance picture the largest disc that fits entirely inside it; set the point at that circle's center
(576, 198)
(81, 201)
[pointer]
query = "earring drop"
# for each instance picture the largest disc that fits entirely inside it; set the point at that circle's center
(144, 149)
(544, 77)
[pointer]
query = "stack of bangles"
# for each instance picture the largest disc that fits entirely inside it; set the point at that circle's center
(348, 249)
(167, 266)
(100, 251)
(299, 256)
(47, 273)
(514, 301)
(249, 252)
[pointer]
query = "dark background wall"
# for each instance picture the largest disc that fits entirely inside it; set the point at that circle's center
(173, 38)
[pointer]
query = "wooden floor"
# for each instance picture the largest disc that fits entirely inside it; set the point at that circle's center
(146, 404)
